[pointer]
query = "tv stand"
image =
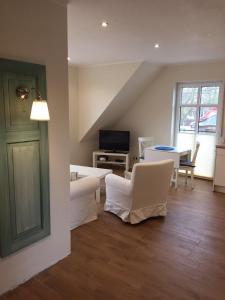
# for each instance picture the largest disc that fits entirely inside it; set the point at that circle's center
(115, 151)
(112, 158)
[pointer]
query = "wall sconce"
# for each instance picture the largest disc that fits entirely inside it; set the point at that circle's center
(39, 110)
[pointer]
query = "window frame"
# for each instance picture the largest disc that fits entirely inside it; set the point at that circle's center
(198, 106)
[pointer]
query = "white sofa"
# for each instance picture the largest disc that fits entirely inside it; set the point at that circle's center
(83, 207)
(141, 197)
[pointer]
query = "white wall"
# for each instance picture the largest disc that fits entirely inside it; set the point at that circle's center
(98, 96)
(36, 31)
(151, 115)
(80, 152)
(98, 86)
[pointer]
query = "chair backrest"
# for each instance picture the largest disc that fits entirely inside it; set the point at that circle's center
(195, 153)
(144, 142)
(150, 183)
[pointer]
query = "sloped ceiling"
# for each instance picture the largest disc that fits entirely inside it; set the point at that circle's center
(97, 88)
(125, 97)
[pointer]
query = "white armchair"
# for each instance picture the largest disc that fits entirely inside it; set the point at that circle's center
(141, 197)
(83, 207)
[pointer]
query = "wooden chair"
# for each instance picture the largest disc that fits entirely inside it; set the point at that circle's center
(144, 142)
(189, 166)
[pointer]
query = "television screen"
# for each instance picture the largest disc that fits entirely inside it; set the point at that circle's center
(113, 140)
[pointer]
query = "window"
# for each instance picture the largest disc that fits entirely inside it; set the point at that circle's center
(198, 107)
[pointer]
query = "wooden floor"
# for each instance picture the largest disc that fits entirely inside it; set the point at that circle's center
(180, 257)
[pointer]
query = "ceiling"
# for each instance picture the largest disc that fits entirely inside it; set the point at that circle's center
(187, 30)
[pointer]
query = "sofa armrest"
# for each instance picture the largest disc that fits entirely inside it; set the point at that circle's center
(83, 186)
(119, 183)
(127, 175)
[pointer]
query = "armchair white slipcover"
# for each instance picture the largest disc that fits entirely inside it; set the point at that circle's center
(144, 196)
(83, 207)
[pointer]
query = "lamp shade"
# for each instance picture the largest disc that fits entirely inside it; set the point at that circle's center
(39, 111)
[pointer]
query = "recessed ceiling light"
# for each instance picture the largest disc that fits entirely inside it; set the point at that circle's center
(105, 24)
(68, 58)
(156, 45)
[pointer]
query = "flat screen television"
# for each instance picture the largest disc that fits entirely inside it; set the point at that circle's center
(114, 140)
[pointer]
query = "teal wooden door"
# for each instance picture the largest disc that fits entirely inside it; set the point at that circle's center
(24, 175)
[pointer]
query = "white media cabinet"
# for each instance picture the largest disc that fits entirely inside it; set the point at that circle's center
(219, 172)
(111, 159)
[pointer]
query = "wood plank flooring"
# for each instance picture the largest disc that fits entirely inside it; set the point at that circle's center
(180, 257)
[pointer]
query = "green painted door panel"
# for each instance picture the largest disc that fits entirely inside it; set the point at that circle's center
(24, 173)
(24, 186)
(17, 112)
